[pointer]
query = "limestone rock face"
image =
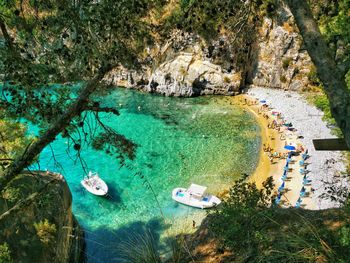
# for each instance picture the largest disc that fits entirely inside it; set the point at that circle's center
(27, 242)
(187, 65)
(280, 61)
(184, 66)
(187, 76)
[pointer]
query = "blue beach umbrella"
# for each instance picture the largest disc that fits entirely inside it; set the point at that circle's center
(289, 147)
(263, 101)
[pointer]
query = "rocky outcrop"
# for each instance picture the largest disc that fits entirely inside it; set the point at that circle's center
(280, 60)
(44, 229)
(188, 75)
(186, 65)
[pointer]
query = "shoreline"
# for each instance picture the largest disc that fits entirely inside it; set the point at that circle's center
(323, 169)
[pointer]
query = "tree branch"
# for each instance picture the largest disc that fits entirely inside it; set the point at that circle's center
(344, 66)
(332, 78)
(102, 109)
(7, 37)
(63, 121)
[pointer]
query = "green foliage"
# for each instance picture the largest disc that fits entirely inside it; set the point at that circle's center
(13, 139)
(207, 18)
(115, 145)
(5, 253)
(45, 231)
(283, 78)
(11, 194)
(255, 231)
(334, 20)
(286, 62)
(268, 7)
(313, 77)
(239, 220)
(344, 234)
(49, 48)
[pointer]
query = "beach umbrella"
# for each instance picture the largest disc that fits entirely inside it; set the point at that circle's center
(263, 101)
(289, 147)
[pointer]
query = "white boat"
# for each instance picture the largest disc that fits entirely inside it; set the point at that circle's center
(195, 196)
(94, 184)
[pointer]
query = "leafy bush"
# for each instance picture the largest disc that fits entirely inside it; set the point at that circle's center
(283, 78)
(5, 253)
(268, 7)
(11, 194)
(312, 76)
(255, 231)
(45, 231)
(240, 221)
(286, 62)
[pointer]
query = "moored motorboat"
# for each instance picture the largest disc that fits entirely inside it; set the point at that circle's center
(94, 184)
(195, 196)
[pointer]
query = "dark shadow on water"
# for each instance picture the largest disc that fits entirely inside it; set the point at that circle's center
(113, 195)
(103, 244)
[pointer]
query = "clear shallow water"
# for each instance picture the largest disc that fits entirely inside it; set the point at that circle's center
(203, 140)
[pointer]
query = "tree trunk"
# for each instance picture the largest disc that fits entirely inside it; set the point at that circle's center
(63, 121)
(332, 78)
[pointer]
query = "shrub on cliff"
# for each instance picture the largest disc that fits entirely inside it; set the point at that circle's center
(257, 232)
(45, 231)
(5, 254)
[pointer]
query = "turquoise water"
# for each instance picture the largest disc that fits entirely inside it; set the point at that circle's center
(204, 140)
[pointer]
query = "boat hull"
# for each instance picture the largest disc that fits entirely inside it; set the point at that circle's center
(180, 195)
(100, 188)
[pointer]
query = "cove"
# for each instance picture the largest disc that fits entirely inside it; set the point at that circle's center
(208, 140)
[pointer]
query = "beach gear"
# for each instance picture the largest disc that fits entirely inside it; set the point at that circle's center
(289, 147)
(278, 199)
(280, 189)
(298, 203)
(304, 156)
(306, 181)
(302, 171)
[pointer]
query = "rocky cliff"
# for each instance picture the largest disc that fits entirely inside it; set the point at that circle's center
(187, 65)
(279, 59)
(44, 229)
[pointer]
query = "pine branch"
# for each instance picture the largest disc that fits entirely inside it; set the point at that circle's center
(62, 122)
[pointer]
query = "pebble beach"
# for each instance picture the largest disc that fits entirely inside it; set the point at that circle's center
(326, 170)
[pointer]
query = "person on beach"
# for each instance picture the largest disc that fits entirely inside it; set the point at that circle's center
(193, 224)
